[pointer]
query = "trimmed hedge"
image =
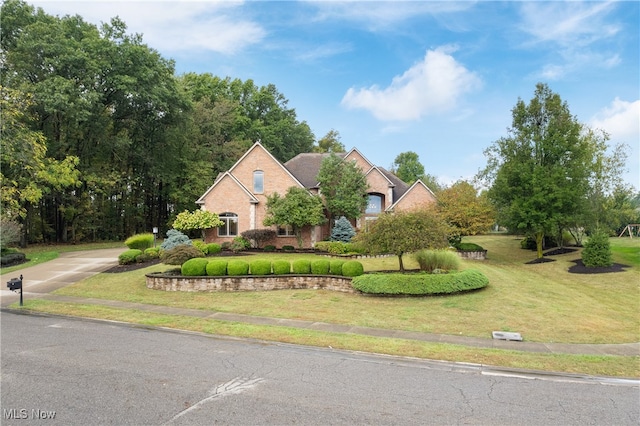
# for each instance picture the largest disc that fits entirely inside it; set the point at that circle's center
(214, 248)
(237, 267)
(270, 247)
(320, 267)
(202, 246)
(216, 267)
(420, 284)
(196, 267)
(301, 266)
(352, 268)
(468, 247)
(153, 252)
(139, 241)
(129, 256)
(335, 266)
(281, 267)
(260, 267)
(288, 248)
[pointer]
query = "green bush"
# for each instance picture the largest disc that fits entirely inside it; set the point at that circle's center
(239, 244)
(420, 283)
(468, 247)
(352, 268)
(269, 248)
(320, 267)
(301, 266)
(139, 241)
(202, 246)
(225, 246)
(322, 246)
(179, 254)
(129, 256)
(597, 252)
(281, 267)
(335, 266)
(216, 267)
(431, 260)
(213, 248)
(528, 243)
(237, 267)
(8, 259)
(143, 257)
(196, 267)
(260, 267)
(288, 248)
(152, 252)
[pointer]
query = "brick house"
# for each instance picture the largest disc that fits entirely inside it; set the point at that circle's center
(239, 195)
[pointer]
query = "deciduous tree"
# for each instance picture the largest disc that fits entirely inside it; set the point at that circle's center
(405, 232)
(298, 208)
(539, 172)
(407, 167)
(466, 211)
(343, 187)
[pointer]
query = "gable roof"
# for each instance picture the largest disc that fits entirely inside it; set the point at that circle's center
(220, 178)
(417, 183)
(258, 145)
(348, 154)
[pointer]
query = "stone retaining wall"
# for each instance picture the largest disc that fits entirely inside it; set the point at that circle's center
(169, 282)
(475, 255)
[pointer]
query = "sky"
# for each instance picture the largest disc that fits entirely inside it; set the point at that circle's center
(436, 78)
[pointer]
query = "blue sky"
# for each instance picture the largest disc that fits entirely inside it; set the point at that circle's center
(436, 78)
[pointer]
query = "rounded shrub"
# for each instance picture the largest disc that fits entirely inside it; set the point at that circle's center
(139, 241)
(420, 284)
(129, 256)
(214, 248)
(288, 248)
(216, 267)
(269, 248)
(179, 254)
(260, 267)
(597, 251)
(352, 268)
(301, 266)
(195, 267)
(237, 267)
(281, 267)
(152, 252)
(320, 267)
(335, 267)
(468, 247)
(202, 246)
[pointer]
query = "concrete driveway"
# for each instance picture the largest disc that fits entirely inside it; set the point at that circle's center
(67, 269)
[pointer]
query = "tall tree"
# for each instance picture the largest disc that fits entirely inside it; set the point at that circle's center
(330, 143)
(407, 167)
(539, 172)
(343, 186)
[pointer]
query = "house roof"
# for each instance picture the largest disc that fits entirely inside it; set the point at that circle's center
(221, 176)
(305, 167)
(408, 190)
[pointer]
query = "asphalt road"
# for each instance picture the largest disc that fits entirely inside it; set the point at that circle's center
(77, 372)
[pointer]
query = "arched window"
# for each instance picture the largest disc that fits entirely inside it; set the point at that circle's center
(229, 227)
(258, 182)
(374, 206)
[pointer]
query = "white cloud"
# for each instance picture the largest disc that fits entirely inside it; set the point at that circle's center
(171, 26)
(430, 86)
(621, 120)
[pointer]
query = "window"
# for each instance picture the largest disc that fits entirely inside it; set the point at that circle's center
(286, 231)
(258, 181)
(375, 204)
(229, 228)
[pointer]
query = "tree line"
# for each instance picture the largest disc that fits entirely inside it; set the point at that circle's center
(101, 139)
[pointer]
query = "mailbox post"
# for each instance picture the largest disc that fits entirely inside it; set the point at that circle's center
(15, 284)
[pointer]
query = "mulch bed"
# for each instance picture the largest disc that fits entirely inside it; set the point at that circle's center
(579, 268)
(131, 267)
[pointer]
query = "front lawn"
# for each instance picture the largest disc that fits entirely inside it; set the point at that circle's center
(543, 301)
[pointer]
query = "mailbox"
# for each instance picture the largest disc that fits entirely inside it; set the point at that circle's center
(14, 284)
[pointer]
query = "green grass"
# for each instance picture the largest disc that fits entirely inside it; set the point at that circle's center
(616, 366)
(543, 302)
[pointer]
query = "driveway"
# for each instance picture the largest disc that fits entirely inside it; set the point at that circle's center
(67, 269)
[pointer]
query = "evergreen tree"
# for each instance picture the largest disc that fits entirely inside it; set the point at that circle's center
(342, 230)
